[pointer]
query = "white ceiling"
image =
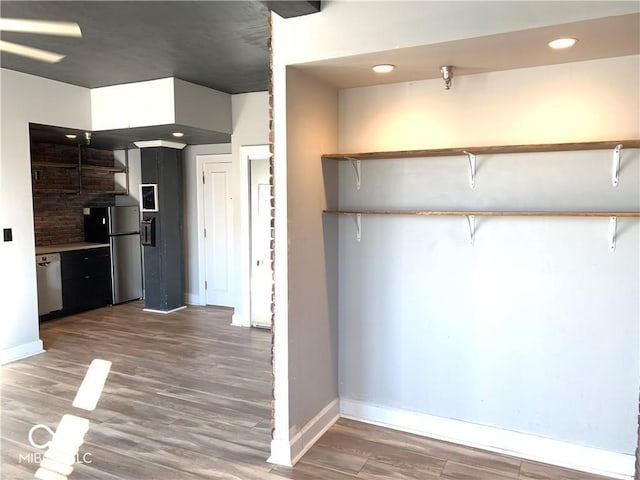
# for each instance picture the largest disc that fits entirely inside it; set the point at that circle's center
(598, 38)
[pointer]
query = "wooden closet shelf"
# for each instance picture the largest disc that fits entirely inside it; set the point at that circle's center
(445, 152)
(484, 213)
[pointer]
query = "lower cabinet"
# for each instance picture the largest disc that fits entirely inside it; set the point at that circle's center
(86, 279)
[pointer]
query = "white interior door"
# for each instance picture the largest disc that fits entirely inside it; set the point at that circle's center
(218, 231)
(260, 196)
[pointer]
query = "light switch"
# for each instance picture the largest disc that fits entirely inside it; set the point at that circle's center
(8, 234)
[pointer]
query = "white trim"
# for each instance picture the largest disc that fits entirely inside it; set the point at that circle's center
(287, 453)
(247, 153)
(531, 447)
(302, 441)
(151, 310)
(160, 143)
(25, 350)
(202, 264)
(280, 453)
(238, 320)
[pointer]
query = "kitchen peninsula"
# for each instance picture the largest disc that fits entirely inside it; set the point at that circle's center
(66, 247)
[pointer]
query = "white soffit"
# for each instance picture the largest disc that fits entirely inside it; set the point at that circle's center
(598, 38)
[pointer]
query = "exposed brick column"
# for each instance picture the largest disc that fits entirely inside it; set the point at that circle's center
(272, 222)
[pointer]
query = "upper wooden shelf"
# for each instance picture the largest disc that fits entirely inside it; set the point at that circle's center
(84, 166)
(487, 213)
(446, 152)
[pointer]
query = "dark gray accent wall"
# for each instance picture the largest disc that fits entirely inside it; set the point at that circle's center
(163, 263)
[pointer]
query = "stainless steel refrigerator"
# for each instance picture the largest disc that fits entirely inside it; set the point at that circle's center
(120, 228)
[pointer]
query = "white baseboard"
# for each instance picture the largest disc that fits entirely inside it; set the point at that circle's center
(280, 453)
(25, 350)
(302, 441)
(288, 453)
(151, 310)
(530, 447)
(239, 321)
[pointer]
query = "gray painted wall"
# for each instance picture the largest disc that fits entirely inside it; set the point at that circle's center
(534, 328)
(312, 110)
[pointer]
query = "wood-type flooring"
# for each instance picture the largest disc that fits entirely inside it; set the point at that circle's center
(189, 398)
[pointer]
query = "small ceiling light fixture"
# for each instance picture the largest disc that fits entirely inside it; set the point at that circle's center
(383, 68)
(560, 43)
(447, 75)
(71, 136)
(178, 134)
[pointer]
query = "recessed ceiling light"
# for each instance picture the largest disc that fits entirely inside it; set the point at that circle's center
(71, 136)
(383, 68)
(178, 134)
(560, 43)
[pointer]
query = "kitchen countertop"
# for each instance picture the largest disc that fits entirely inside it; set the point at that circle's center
(65, 247)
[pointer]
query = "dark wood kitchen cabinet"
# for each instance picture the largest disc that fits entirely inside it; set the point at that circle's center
(86, 279)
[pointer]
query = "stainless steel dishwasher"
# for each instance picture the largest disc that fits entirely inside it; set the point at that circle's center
(49, 283)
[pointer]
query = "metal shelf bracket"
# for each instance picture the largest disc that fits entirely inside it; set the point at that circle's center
(615, 167)
(613, 227)
(471, 221)
(358, 219)
(472, 168)
(356, 166)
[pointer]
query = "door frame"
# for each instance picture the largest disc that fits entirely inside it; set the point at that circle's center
(247, 153)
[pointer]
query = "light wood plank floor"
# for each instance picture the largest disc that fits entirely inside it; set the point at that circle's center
(189, 397)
